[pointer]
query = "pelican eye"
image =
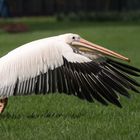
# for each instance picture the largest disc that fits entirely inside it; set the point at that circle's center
(73, 37)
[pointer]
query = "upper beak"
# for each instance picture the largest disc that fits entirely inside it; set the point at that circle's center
(88, 45)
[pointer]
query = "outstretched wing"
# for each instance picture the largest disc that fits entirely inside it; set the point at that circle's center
(100, 80)
(86, 76)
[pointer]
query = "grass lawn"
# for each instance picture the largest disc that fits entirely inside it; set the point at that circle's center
(61, 117)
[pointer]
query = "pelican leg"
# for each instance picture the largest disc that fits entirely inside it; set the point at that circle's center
(3, 103)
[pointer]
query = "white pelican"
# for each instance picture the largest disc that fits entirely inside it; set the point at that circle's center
(66, 64)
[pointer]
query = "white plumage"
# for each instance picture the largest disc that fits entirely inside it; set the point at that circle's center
(69, 64)
(31, 59)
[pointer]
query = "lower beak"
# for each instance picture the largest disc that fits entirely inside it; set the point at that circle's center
(88, 45)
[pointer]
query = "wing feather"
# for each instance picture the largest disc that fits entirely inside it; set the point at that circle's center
(28, 62)
(90, 78)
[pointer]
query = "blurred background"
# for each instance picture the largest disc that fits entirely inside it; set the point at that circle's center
(73, 9)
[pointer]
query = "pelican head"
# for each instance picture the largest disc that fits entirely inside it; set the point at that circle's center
(79, 43)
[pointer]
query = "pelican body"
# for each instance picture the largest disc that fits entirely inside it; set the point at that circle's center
(66, 64)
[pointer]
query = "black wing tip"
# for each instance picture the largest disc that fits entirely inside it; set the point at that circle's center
(137, 84)
(124, 65)
(119, 105)
(138, 91)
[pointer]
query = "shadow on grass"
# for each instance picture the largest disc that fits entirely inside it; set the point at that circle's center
(38, 116)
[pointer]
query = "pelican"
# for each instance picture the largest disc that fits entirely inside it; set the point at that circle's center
(66, 64)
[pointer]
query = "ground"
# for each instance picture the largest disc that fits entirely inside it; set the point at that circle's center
(57, 116)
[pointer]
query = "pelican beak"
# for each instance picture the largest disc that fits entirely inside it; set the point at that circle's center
(94, 47)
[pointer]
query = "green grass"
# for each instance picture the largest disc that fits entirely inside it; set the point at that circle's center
(61, 117)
